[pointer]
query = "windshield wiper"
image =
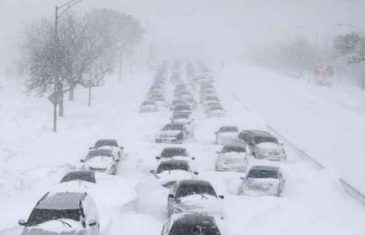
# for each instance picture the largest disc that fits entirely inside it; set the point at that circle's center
(64, 222)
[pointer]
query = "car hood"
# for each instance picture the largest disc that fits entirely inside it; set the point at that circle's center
(232, 157)
(168, 176)
(55, 227)
(200, 203)
(169, 133)
(99, 162)
(269, 146)
(258, 186)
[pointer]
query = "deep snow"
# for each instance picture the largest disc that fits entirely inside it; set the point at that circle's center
(34, 159)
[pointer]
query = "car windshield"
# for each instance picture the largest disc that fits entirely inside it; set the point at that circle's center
(173, 127)
(262, 173)
(191, 189)
(102, 143)
(83, 176)
(167, 153)
(39, 216)
(194, 229)
(228, 129)
(265, 139)
(172, 166)
(227, 149)
(99, 153)
(180, 115)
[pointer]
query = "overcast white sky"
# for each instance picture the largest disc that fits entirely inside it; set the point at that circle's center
(211, 27)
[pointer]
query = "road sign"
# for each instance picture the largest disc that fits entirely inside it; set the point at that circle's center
(53, 98)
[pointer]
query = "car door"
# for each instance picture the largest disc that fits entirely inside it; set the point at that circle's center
(91, 214)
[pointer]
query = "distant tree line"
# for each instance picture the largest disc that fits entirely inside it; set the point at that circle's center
(85, 49)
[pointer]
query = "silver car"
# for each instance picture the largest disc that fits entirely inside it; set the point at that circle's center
(262, 180)
(232, 157)
(66, 213)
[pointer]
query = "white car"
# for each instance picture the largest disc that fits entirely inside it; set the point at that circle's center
(101, 160)
(262, 180)
(186, 120)
(111, 144)
(170, 171)
(226, 134)
(196, 196)
(232, 158)
(71, 213)
(174, 133)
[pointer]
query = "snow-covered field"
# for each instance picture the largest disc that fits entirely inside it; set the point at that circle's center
(33, 159)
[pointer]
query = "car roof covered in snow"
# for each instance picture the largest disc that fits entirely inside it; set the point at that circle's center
(61, 201)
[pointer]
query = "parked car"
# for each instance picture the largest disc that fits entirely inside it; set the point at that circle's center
(175, 153)
(148, 106)
(172, 170)
(190, 223)
(226, 134)
(111, 144)
(263, 145)
(101, 160)
(194, 196)
(232, 157)
(186, 119)
(172, 133)
(262, 180)
(68, 213)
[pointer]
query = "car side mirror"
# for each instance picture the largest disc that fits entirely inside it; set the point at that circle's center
(171, 196)
(158, 157)
(193, 158)
(92, 222)
(221, 196)
(82, 160)
(196, 173)
(152, 172)
(22, 222)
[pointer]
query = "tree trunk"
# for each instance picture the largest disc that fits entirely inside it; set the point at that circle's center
(71, 94)
(61, 95)
(89, 103)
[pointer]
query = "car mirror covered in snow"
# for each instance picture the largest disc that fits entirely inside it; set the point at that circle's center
(82, 160)
(92, 222)
(196, 173)
(22, 222)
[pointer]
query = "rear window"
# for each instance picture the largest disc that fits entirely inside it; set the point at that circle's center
(238, 149)
(167, 153)
(228, 129)
(262, 173)
(102, 143)
(83, 176)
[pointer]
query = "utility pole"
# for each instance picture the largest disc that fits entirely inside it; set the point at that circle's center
(64, 8)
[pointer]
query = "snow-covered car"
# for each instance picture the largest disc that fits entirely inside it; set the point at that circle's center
(194, 196)
(148, 106)
(101, 160)
(232, 157)
(186, 119)
(263, 145)
(111, 144)
(64, 213)
(226, 134)
(262, 180)
(172, 133)
(190, 223)
(170, 171)
(215, 110)
(81, 175)
(175, 153)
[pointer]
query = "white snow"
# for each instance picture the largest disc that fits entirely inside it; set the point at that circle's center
(34, 159)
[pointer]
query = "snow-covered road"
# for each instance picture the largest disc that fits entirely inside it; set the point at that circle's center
(133, 202)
